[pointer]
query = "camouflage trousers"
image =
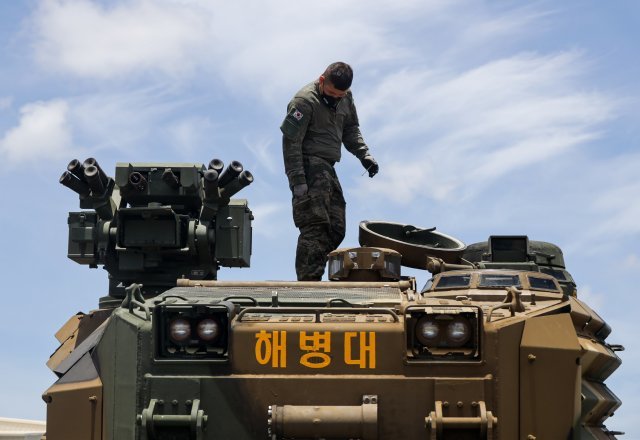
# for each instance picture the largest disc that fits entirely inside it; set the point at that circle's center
(320, 216)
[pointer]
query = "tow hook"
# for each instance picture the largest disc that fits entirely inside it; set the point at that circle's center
(151, 423)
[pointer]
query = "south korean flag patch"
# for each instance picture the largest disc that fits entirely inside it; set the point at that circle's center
(297, 114)
(292, 126)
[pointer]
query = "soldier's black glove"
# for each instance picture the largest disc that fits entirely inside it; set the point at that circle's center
(300, 190)
(370, 164)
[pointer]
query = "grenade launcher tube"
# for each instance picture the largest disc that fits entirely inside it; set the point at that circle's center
(216, 165)
(211, 190)
(76, 168)
(232, 171)
(244, 179)
(69, 180)
(104, 180)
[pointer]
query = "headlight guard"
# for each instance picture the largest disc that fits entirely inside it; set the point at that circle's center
(443, 333)
(192, 332)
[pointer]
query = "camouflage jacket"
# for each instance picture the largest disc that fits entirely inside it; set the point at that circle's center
(312, 128)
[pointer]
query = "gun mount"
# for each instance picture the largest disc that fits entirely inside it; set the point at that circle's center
(157, 222)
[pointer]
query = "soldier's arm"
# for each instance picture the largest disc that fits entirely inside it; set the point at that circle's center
(293, 128)
(351, 136)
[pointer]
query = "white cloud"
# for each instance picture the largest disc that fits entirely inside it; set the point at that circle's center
(502, 25)
(264, 154)
(253, 49)
(42, 132)
(506, 96)
(122, 121)
(604, 194)
(465, 130)
(268, 219)
(136, 36)
(476, 30)
(191, 135)
(90, 40)
(271, 51)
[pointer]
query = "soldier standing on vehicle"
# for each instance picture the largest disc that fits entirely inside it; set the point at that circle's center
(320, 118)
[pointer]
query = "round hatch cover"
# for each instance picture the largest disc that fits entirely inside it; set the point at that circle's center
(415, 244)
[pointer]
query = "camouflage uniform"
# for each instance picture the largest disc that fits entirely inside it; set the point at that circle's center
(313, 135)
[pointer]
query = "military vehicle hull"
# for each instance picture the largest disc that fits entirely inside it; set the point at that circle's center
(302, 369)
(496, 346)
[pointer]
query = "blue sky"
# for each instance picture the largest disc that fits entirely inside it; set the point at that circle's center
(486, 118)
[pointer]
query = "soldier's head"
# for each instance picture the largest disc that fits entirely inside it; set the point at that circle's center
(336, 79)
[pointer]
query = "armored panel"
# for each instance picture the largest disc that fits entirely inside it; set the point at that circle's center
(549, 377)
(82, 227)
(509, 248)
(233, 234)
(142, 183)
(539, 252)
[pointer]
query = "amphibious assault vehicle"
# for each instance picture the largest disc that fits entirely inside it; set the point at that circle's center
(496, 345)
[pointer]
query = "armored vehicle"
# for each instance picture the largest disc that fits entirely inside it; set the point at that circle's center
(496, 346)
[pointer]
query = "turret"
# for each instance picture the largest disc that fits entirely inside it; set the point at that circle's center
(157, 222)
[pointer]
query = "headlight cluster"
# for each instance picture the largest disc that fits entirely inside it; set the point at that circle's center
(207, 330)
(440, 333)
(443, 331)
(192, 332)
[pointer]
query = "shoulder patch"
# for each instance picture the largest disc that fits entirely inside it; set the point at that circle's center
(293, 125)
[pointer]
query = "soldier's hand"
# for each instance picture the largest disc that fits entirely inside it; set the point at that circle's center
(300, 190)
(370, 164)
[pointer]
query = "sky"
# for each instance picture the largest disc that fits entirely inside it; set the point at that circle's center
(486, 118)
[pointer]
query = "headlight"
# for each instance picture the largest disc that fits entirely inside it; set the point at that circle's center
(208, 330)
(443, 333)
(427, 331)
(458, 332)
(192, 332)
(179, 330)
